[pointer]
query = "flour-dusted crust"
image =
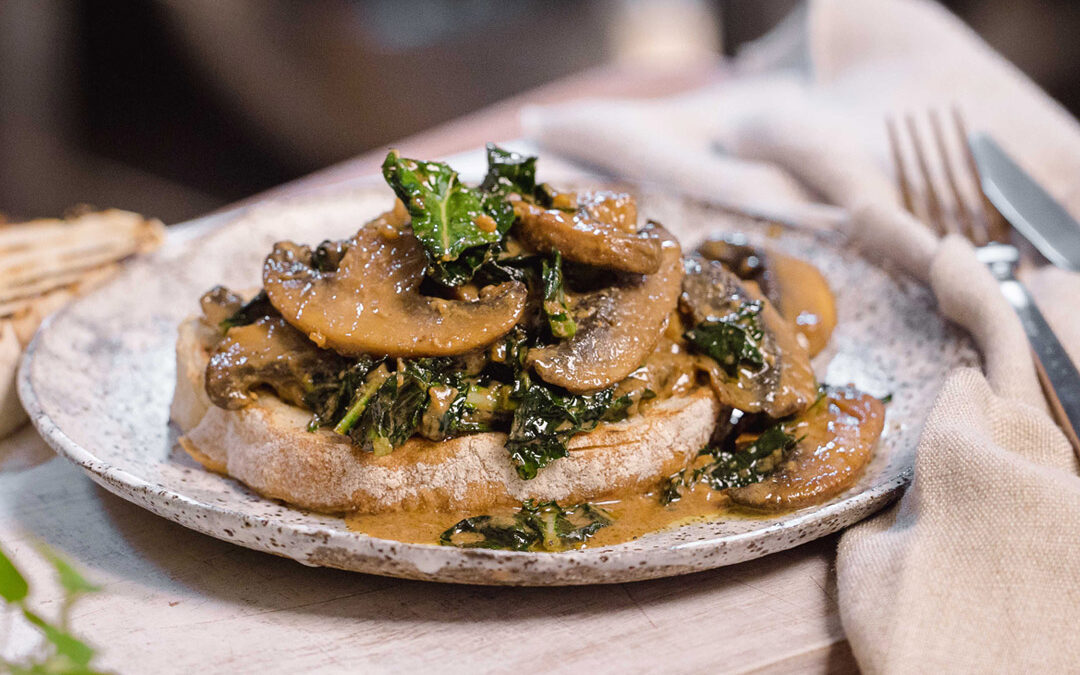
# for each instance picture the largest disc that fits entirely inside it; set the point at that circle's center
(267, 446)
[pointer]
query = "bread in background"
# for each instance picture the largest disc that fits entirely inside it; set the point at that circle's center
(47, 262)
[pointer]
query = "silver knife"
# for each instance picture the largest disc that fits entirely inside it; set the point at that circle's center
(1050, 228)
(1026, 205)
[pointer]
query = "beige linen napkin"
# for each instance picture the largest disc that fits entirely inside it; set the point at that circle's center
(973, 569)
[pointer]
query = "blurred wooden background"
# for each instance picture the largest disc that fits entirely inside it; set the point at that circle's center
(175, 107)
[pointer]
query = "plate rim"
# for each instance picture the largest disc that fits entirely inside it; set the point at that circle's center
(678, 559)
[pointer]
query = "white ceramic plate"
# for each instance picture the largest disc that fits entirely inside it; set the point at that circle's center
(98, 378)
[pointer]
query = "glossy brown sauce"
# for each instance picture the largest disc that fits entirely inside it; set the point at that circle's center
(634, 515)
(837, 436)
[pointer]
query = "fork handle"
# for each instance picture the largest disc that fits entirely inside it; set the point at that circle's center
(1059, 377)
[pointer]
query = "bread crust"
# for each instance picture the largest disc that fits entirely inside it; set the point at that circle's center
(266, 446)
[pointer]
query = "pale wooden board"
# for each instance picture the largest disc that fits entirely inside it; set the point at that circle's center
(176, 601)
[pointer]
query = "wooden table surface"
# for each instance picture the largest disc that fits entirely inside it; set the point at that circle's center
(177, 601)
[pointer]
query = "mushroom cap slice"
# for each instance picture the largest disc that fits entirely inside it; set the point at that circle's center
(836, 438)
(371, 304)
(795, 287)
(268, 352)
(618, 326)
(785, 383)
(804, 299)
(601, 230)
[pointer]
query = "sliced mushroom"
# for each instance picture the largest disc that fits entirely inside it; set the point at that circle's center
(601, 229)
(371, 304)
(218, 304)
(794, 286)
(617, 326)
(804, 299)
(785, 383)
(837, 436)
(268, 352)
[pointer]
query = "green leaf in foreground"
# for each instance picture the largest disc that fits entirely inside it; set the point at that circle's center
(560, 321)
(13, 586)
(733, 340)
(67, 654)
(65, 643)
(537, 526)
(68, 576)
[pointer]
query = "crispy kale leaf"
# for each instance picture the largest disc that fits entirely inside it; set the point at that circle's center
(393, 413)
(509, 172)
(543, 526)
(560, 321)
(380, 409)
(733, 340)
(449, 218)
(739, 467)
(546, 419)
(250, 312)
(731, 466)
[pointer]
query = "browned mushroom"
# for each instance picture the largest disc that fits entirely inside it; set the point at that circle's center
(618, 326)
(268, 352)
(804, 299)
(598, 228)
(371, 303)
(784, 383)
(218, 304)
(795, 287)
(837, 436)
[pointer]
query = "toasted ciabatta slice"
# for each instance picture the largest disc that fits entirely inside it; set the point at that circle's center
(266, 445)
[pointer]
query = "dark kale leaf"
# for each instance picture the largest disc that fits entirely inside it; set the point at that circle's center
(546, 420)
(543, 526)
(559, 320)
(385, 409)
(732, 340)
(506, 533)
(392, 415)
(332, 399)
(740, 467)
(502, 268)
(477, 408)
(448, 217)
(509, 172)
(461, 270)
(671, 488)
(250, 312)
(730, 466)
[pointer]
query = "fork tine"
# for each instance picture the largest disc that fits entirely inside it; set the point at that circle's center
(933, 203)
(965, 218)
(898, 164)
(994, 224)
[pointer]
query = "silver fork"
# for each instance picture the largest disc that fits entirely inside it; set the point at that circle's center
(987, 229)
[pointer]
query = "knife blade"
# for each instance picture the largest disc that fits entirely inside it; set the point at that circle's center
(1026, 205)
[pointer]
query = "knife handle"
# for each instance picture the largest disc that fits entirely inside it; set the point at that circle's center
(1059, 377)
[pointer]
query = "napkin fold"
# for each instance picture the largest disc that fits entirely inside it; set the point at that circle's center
(973, 569)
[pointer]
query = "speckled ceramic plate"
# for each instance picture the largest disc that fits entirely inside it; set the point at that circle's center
(98, 378)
